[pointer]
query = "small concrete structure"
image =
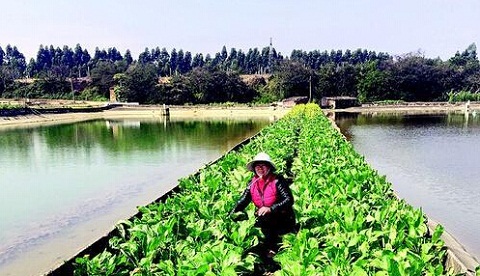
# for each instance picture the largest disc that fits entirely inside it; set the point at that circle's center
(166, 111)
(113, 95)
(339, 102)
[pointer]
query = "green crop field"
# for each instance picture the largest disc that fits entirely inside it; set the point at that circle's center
(350, 222)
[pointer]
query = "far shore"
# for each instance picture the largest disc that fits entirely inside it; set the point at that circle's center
(225, 112)
(414, 108)
(153, 112)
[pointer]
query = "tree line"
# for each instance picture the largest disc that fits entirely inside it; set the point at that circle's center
(193, 78)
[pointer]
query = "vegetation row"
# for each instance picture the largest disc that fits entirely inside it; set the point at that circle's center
(349, 219)
(193, 78)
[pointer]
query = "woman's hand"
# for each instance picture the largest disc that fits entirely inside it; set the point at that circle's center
(263, 211)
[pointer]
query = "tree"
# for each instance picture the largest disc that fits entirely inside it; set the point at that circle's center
(175, 92)
(252, 61)
(67, 61)
(347, 56)
(326, 84)
(208, 60)
(173, 62)
(102, 77)
(31, 68)
(416, 78)
(85, 62)
(14, 62)
(372, 83)
(121, 65)
(198, 61)
(137, 84)
(128, 57)
(187, 62)
(216, 86)
(467, 58)
(216, 62)
(232, 61)
(346, 80)
(297, 56)
(163, 63)
(144, 57)
(2, 69)
(466, 67)
(473, 82)
(202, 85)
(180, 62)
(265, 60)
(241, 61)
(223, 55)
(113, 54)
(78, 59)
(2, 56)
(291, 78)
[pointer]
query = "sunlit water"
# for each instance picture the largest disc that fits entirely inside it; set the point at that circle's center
(433, 162)
(64, 186)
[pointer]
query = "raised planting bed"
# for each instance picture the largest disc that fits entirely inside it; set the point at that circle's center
(350, 222)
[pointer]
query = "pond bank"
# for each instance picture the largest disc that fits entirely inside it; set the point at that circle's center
(414, 107)
(143, 112)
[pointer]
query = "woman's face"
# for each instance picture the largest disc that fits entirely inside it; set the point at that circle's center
(262, 169)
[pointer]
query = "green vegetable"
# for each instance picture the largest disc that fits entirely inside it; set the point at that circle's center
(350, 221)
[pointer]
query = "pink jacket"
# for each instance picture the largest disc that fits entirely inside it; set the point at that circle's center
(264, 192)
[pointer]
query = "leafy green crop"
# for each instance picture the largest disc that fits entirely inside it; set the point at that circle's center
(350, 221)
(349, 215)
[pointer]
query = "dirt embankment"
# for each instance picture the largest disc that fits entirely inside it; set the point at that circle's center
(415, 107)
(136, 111)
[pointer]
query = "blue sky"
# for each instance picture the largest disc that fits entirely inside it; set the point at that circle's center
(438, 28)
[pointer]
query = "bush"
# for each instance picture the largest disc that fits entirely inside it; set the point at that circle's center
(9, 106)
(462, 96)
(92, 94)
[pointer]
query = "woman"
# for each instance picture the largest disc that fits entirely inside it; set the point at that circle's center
(273, 200)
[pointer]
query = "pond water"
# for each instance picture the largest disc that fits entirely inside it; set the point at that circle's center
(64, 186)
(432, 161)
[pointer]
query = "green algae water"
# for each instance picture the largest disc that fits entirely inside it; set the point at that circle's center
(432, 161)
(64, 186)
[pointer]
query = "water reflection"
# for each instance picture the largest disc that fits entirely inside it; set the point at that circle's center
(54, 179)
(432, 161)
(124, 135)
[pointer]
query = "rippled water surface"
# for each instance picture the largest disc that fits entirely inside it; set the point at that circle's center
(64, 186)
(433, 162)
